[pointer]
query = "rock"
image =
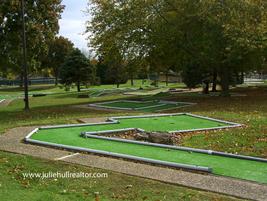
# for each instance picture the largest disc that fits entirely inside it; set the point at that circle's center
(141, 136)
(160, 137)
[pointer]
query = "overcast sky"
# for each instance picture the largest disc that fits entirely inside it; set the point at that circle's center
(72, 24)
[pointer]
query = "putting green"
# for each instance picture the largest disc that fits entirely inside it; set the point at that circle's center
(133, 105)
(148, 106)
(225, 166)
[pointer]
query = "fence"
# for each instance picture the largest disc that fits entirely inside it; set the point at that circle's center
(34, 81)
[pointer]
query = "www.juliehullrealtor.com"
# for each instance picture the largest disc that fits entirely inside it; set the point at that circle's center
(64, 175)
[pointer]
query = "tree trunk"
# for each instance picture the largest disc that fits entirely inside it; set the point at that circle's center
(206, 88)
(78, 86)
(214, 81)
(225, 81)
(118, 85)
(132, 80)
(167, 79)
(56, 76)
(56, 81)
(21, 80)
(242, 77)
(157, 80)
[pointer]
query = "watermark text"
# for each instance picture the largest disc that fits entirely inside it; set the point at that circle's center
(64, 175)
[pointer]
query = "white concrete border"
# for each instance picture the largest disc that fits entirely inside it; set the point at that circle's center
(111, 131)
(2, 100)
(160, 103)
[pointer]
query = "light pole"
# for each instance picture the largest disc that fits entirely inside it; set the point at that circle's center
(25, 67)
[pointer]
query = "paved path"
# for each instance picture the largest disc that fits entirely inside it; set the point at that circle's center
(12, 142)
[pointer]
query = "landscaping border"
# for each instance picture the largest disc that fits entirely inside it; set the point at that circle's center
(2, 100)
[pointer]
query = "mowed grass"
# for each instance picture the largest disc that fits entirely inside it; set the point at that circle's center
(250, 111)
(56, 109)
(115, 187)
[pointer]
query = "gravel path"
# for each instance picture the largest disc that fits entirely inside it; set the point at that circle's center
(12, 141)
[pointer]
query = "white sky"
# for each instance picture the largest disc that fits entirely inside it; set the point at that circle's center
(72, 24)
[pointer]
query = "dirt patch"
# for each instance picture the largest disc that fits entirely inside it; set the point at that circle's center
(153, 137)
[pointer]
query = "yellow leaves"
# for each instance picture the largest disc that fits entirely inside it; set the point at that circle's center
(3, 160)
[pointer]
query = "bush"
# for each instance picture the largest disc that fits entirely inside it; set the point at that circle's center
(192, 76)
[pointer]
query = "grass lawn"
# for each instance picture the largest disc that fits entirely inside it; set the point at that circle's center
(14, 187)
(250, 110)
(56, 109)
(51, 89)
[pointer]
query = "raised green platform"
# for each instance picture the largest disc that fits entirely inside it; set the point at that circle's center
(221, 165)
(146, 106)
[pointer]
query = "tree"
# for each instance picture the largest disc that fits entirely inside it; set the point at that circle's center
(77, 69)
(111, 70)
(222, 37)
(41, 27)
(193, 75)
(58, 51)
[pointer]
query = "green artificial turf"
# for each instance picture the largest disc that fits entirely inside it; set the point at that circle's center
(133, 105)
(244, 169)
(164, 107)
(161, 123)
(139, 105)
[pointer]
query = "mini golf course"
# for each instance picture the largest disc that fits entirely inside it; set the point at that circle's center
(145, 106)
(83, 137)
(106, 92)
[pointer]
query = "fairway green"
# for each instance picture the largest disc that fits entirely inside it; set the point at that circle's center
(159, 123)
(128, 104)
(244, 169)
(146, 106)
